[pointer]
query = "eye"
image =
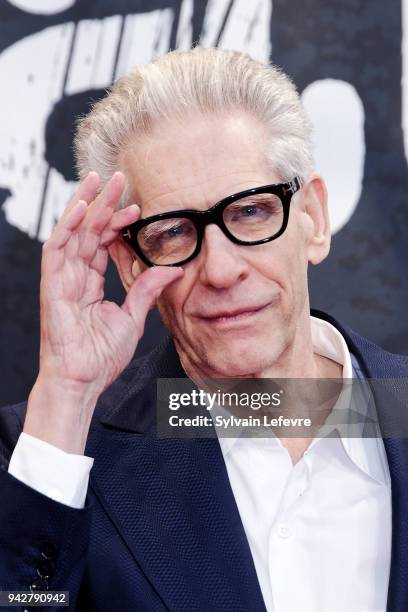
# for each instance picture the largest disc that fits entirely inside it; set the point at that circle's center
(175, 231)
(179, 230)
(260, 210)
(249, 211)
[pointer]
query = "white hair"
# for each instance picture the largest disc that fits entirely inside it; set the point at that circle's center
(199, 81)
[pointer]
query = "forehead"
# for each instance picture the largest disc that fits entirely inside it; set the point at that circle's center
(195, 163)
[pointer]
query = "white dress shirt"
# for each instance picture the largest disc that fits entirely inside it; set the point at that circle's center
(319, 531)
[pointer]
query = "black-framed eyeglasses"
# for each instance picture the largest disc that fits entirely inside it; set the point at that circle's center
(250, 217)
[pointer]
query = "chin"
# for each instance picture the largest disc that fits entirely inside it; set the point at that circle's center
(244, 353)
(239, 361)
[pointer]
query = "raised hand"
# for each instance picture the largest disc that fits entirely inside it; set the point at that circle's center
(86, 342)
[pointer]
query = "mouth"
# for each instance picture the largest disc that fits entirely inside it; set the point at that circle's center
(241, 315)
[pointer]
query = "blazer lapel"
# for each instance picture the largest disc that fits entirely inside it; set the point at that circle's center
(172, 502)
(391, 395)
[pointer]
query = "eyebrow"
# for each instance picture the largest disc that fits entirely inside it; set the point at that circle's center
(231, 195)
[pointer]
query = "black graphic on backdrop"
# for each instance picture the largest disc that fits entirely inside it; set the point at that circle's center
(363, 282)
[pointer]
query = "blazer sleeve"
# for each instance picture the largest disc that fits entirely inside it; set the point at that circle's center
(43, 543)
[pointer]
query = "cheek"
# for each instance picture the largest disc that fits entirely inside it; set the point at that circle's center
(295, 246)
(304, 230)
(172, 299)
(278, 261)
(286, 264)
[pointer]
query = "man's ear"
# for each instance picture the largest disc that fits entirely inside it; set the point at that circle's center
(128, 265)
(314, 205)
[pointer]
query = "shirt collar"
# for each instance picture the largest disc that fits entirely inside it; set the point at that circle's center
(328, 342)
(367, 453)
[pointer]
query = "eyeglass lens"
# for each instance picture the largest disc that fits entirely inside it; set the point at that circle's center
(252, 218)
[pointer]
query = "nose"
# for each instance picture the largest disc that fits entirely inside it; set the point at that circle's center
(222, 262)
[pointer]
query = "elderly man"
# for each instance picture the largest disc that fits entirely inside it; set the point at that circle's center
(197, 179)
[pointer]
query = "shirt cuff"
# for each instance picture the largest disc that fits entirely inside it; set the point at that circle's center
(49, 470)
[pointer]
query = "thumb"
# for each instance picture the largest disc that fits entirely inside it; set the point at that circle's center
(145, 289)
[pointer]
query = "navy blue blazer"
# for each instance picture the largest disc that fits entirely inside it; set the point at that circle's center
(160, 529)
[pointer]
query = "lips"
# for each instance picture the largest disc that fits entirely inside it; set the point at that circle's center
(230, 314)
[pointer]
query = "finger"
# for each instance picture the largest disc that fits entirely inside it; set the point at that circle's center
(145, 289)
(100, 261)
(87, 191)
(119, 220)
(105, 203)
(87, 188)
(97, 218)
(53, 248)
(64, 231)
